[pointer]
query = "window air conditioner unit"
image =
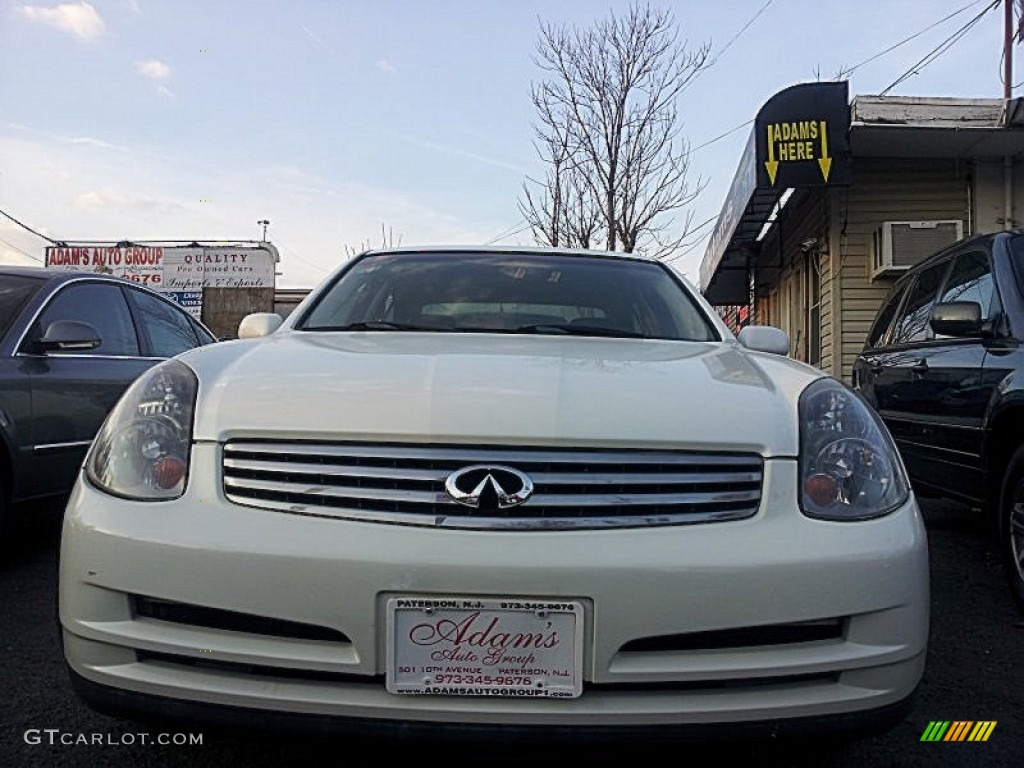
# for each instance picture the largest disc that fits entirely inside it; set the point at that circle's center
(899, 245)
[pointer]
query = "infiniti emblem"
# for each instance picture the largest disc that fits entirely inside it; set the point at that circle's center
(488, 487)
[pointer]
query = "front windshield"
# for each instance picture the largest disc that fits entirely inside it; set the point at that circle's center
(509, 293)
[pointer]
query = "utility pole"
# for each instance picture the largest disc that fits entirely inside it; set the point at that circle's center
(265, 223)
(1008, 48)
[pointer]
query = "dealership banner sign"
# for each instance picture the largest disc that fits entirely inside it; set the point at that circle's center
(180, 272)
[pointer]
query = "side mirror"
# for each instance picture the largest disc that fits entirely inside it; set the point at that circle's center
(259, 324)
(765, 338)
(957, 318)
(68, 336)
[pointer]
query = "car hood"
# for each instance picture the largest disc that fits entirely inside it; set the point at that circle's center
(499, 389)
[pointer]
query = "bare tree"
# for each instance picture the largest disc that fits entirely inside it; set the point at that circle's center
(387, 240)
(561, 210)
(608, 130)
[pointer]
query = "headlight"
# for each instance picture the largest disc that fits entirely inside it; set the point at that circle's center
(142, 451)
(849, 467)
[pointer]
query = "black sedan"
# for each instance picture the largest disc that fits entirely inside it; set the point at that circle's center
(70, 343)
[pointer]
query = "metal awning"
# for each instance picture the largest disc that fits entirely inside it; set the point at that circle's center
(800, 138)
(729, 280)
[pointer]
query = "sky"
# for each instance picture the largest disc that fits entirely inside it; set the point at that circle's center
(356, 123)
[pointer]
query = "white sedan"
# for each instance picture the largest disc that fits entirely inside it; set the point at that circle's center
(499, 490)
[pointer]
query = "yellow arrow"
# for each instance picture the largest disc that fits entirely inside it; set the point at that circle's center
(824, 161)
(771, 164)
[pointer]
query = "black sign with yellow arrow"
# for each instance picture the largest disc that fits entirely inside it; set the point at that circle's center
(803, 137)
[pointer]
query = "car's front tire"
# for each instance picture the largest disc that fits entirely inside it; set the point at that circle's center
(1011, 524)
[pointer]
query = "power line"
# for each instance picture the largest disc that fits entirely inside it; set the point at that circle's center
(515, 229)
(941, 48)
(894, 46)
(130, 241)
(691, 248)
(161, 241)
(697, 242)
(719, 137)
(27, 227)
(317, 267)
(502, 236)
(19, 250)
(731, 131)
(743, 29)
(726, 47)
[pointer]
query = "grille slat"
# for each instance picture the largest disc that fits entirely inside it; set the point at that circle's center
(333, 493)
(483, 455)
(576, 488)
(331, 471)
(335, 470)
(539, 499)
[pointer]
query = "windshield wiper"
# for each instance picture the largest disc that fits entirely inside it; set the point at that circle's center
(375, 325)
(576, 329)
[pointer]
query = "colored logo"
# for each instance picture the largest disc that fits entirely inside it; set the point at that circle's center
(958, 730)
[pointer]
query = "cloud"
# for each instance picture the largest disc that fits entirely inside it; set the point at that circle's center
(78, 19)
(459, 152)
(386, 66)
(153, 69)
(95, 143)
(315, 39)
(158, 73)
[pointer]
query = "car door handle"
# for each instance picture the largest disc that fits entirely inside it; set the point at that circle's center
(921, 366)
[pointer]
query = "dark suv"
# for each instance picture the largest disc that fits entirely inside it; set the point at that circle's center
(944, 366)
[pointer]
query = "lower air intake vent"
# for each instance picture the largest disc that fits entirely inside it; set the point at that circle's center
(744, 637)
(215, 618)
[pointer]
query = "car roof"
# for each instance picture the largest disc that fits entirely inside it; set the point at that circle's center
(57, 275)
(510, 249)
(26, 271)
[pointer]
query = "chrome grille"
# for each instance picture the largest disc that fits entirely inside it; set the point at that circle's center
(399, 483)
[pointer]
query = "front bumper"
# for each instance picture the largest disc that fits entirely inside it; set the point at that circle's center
(279, 573)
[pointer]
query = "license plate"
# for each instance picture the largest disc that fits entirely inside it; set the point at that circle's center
(465, 646)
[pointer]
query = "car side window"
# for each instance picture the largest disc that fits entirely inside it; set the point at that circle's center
(877, 336)
(104, 307)
(971, 280)
(912, 324)
(167, 328)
